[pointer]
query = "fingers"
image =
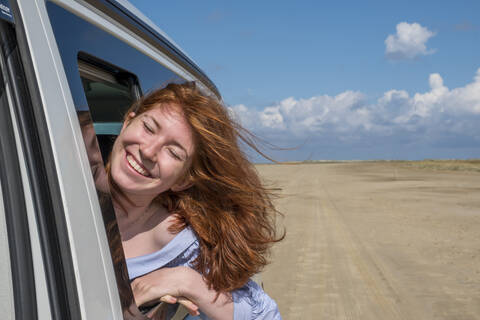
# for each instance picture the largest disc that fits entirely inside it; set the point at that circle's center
(191, 307)
(168, 299)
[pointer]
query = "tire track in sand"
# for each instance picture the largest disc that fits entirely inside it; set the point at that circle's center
(357, 288)
(334, 277)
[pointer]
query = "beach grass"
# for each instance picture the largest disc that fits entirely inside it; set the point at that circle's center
(450, 165)
(472, 165)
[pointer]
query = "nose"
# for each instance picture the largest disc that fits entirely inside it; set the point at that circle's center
(148, 151)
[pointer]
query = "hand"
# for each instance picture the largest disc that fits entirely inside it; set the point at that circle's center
(165, 285)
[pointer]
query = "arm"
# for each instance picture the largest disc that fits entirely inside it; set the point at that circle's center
(197, 290)
(182, 282)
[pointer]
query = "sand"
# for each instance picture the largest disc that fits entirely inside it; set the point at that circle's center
(375, 241)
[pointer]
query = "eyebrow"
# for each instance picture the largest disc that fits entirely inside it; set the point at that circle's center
(174, 142)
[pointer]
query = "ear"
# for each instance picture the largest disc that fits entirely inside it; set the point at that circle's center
(130, 116)
(182, 185)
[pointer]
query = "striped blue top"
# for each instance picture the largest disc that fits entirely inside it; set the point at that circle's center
(250, 301)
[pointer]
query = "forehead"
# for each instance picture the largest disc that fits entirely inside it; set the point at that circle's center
(167, 112)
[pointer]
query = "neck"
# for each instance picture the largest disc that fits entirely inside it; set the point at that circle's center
(131, 202)
(136, 219)
(132, 208)
(136, 214)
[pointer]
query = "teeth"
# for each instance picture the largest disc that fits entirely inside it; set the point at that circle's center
(136, 166)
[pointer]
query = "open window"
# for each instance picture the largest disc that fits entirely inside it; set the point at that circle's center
(104, 68)
(110, 92)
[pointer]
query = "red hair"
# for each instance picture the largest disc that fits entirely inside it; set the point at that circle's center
(227, 206)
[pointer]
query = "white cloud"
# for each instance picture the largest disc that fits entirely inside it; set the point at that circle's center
(409, 41)
(349, 117)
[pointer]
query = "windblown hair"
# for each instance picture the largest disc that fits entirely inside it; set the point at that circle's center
(227, 206)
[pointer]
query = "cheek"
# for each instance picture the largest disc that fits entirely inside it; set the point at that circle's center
(171, 168)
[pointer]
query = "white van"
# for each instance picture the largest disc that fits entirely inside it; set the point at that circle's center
(67, 64)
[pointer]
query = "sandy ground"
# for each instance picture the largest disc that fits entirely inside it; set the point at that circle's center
(376, 241)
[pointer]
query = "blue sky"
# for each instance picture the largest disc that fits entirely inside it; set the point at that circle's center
(343, 79)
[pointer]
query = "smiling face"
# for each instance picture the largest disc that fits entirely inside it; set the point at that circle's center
(152, 153)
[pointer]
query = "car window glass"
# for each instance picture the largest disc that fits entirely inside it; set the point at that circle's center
(107, 97)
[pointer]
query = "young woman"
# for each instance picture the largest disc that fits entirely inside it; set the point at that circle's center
(195, 220)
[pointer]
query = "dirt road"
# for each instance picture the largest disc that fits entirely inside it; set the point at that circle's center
(376, 241)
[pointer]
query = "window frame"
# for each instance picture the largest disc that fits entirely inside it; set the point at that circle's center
(57, 176)
(45, 194)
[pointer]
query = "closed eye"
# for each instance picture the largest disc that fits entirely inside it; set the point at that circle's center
(174, 154)
(147, 127)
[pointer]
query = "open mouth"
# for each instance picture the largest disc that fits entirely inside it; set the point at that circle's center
(136, 166)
